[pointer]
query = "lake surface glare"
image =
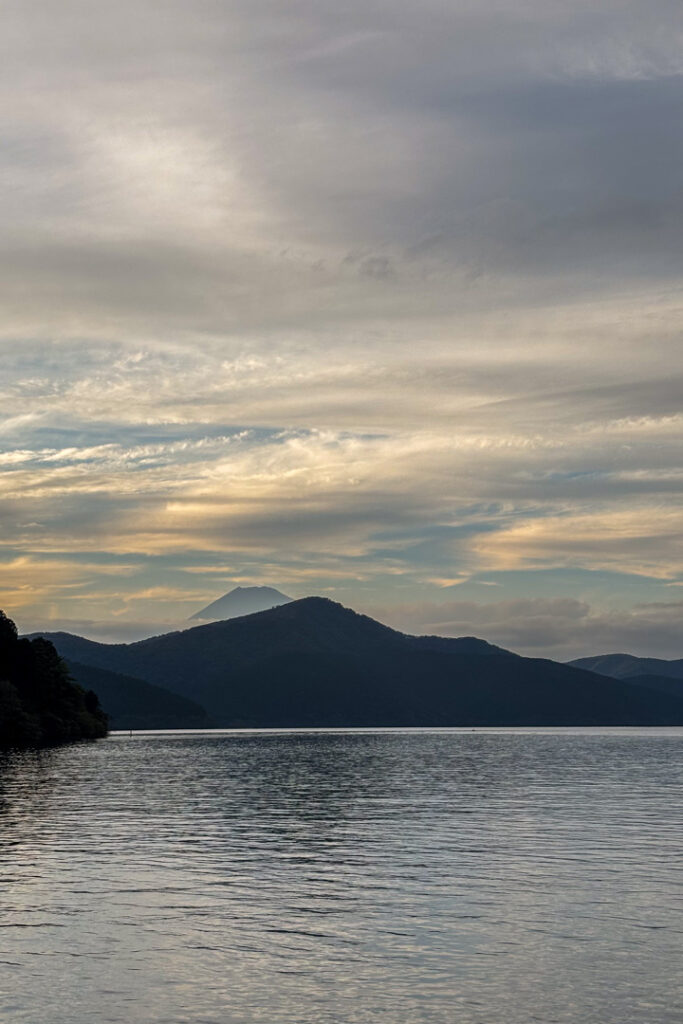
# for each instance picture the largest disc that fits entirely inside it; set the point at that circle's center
(450, 877)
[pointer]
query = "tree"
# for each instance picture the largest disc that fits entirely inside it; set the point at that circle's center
(39, 702)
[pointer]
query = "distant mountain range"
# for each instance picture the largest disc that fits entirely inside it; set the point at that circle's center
(652, 673)
(242, 601)
(315, 663)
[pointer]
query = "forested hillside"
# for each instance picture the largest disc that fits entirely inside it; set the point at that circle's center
(40, 705)
(315, 663)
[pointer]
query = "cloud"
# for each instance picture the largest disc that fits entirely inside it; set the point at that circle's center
(383, 295)
(560, 628)
(642, 541)
(306, 157)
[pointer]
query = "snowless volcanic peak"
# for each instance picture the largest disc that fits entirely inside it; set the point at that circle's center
(242, 601)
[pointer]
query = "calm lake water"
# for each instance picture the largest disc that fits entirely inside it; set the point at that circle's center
(396, 877)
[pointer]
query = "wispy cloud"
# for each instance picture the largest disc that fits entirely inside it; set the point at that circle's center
(563, 628)
(371, 300)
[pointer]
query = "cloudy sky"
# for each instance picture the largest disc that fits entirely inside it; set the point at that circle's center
(377, 300)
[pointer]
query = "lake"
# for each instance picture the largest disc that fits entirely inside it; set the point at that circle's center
(397, 876)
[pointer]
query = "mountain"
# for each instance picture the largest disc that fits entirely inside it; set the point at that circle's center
(242, 601)
(134, 704)
(625, 666)
(314, 663)
(652, 673)
(39, 704)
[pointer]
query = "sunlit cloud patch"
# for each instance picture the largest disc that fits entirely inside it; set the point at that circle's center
(377, 302)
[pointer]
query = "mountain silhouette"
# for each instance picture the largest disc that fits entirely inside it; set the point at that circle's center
(652, 673)
(315, 663)
(242, 601)
(134, 704)
(625, 666)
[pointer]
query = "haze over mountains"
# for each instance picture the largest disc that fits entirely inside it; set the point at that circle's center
(242, 601)
(653, 673)
(626, 666)
(313, 662)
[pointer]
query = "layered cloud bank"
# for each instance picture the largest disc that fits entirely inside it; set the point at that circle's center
(376, 301)
(551, 628)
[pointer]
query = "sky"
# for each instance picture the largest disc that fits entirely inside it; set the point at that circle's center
(376, 300)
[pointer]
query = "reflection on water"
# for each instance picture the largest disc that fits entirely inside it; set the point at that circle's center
(344, 877)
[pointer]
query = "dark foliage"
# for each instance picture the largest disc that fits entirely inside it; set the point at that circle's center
(134, 704)
(40, 705)
(315, 663)
(663, 684)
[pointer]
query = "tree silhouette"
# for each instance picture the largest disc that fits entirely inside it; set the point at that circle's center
(39, 702)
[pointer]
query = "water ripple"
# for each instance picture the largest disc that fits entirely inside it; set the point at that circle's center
(389, 876)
